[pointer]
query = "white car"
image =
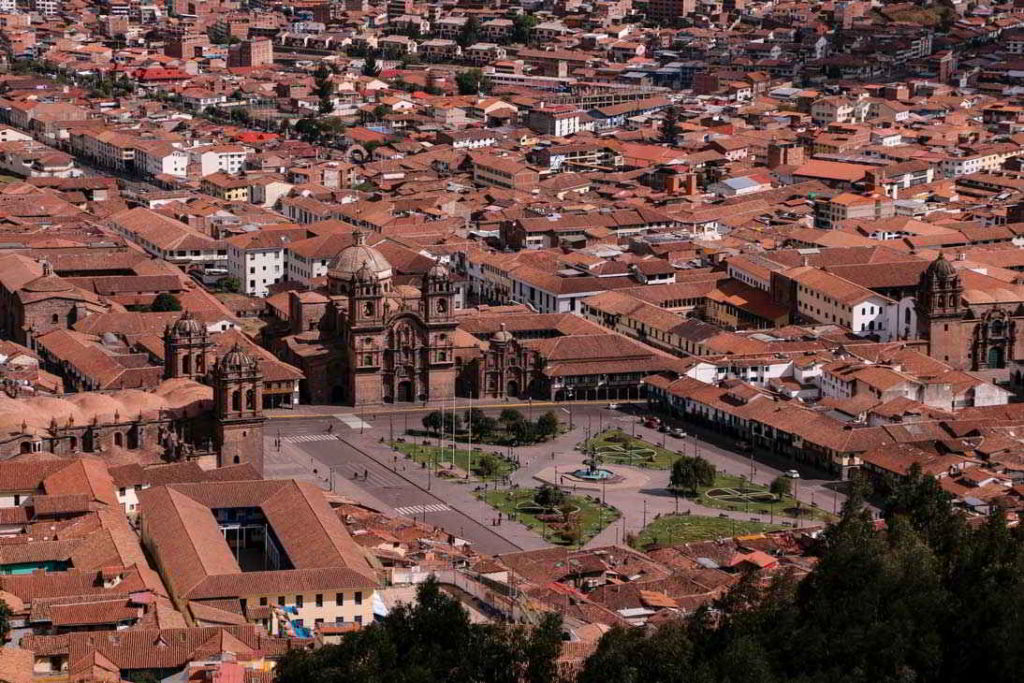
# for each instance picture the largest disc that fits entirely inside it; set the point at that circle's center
(613, 406)
(792, 474)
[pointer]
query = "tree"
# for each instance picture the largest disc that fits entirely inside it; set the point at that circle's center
(433, 420)
(431, 640)
(472, 82)
(324, 88)
(547, 424)
(487, 466)
(308, 129)
(522, 27)
(781, 487)
(370, 66)
(670, 126)
(5, 622)
(549, 496)
(164, 302)
(229, 284)
(470, 32)
(690, 473)
(510, 416)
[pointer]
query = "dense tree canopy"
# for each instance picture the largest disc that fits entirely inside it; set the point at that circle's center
(431, 641)
(928, 598)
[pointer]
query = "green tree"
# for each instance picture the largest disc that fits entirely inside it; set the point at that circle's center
(481, 424)
(432, 640)
(324, 88)
(487, 466)
(433, 420)
(690, 473)
(229, 284)
(5, 622)
(370, 66)
(472, 82)
(470, 32)
(670, 126)
(522, 27)
(547, 424)
(510, 416)
(780, 487)
(549, 496)
(165, 302)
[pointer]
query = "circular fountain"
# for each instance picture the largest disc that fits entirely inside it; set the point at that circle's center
(592, 472)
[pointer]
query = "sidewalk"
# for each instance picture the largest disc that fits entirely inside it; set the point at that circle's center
(291, 463)
(458, 496)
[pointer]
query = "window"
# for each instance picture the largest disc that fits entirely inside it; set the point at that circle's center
(319, 599)
(298, 601)
(280, 600)
(339, 599)
(359, 620)
(263, 602)
(359, 597)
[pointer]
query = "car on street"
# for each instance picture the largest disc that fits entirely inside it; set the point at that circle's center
(663, 428)
(651, 422)
(613, 406)
(792, 474)
(677, 432)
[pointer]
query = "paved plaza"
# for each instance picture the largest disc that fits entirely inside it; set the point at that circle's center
(348, 453)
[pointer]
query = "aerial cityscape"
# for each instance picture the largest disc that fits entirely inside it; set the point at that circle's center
(530, 341)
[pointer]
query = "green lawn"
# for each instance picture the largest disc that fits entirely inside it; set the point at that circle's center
(442, 457)
(589, 518)
(754, 499)
(616, 447)
(673, 529)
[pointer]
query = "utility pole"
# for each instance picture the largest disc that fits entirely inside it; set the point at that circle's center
(645, 514)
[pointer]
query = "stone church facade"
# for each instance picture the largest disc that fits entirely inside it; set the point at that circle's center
(367, 340)
(177, 419)
(970, 330)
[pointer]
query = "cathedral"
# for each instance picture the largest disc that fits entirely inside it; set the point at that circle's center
(971, 321)
(368, 340)
(176, 420)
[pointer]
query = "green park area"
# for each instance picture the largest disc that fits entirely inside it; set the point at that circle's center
(674, 529)
(483, 464)
(738, 494)
(561, 518)
(615, 447)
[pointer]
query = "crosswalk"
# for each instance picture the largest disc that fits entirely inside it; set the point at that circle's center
(354, 421)
(416, 510)
(306, 438)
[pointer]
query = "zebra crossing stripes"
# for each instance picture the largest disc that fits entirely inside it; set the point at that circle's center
(305, 438)
(415, 510)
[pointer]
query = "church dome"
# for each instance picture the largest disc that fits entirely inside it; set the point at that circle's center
(359, 257)
(502, 336)
(236, 359)
(941, 268)
(187, 326)
(47, 282)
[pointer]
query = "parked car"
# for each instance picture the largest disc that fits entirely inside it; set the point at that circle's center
(792, 474)
(678, 433)
(651, 422)
(612, 406)
(663, 428)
